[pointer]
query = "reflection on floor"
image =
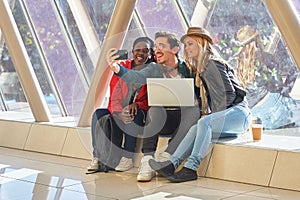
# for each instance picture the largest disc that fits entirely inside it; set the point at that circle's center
(28, 175)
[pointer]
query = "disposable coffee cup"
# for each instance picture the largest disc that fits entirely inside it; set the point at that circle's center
(257, 130)
(254, 120)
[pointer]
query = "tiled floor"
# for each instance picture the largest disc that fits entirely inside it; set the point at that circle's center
(28, 175)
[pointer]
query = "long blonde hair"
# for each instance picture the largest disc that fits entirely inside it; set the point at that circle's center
(196, 65)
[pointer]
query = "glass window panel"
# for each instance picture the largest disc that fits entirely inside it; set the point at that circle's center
(197, 12)
(246, 36)
(100, 12)
(296, 3)
(188, 7)
(63, 68)
(74, 33)
(12, 95)
(38, 66)
(159, 15)
(132, 33)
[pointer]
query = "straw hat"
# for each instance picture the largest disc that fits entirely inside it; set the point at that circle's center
(197, 31)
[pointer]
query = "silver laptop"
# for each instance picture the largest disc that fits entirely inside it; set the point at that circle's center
(170, 92)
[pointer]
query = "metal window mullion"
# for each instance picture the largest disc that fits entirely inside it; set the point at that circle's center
(45, 63)
(288, 23)
(85, 27)
(2, 99)
(181, 15)
(211, 13)
(139, 22)
(81, 71)
(22, 65)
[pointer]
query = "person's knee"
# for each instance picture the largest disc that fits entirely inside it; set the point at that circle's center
(157, 111)
(94, 116)
(203, 122)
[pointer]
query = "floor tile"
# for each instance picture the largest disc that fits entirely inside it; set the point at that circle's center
(14, 155)
(26, 175)
(247, 197)
(222, 185)
(274, 193)
(116, 185)
(15, 189)
(184, 191)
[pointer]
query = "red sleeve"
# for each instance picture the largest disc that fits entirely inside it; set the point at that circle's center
(118, 91)
(115, 95)
(142, 98)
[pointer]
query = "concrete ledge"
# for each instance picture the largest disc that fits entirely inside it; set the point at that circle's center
(242, 164)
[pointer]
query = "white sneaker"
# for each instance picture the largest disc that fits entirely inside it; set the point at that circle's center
(93, 166)
(124, 164)
(163, 156)
(146, 173)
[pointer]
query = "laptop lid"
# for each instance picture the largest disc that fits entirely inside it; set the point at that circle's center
(170, 92)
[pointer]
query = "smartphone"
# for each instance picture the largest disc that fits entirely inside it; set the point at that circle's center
(123, 54)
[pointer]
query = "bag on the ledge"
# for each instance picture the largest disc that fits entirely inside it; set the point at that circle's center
(108, 141)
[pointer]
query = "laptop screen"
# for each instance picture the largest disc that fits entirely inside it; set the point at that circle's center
(170, 92)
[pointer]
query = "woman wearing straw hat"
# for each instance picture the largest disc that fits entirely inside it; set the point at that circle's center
(225, 111)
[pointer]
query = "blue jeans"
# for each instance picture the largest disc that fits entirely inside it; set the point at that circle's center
(227, 123)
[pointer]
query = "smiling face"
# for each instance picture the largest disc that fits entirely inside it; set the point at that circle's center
(141, 53)
(191, 47)
(164, 54)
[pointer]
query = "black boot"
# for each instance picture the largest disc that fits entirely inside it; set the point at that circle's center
(165, 168)
(185, 174)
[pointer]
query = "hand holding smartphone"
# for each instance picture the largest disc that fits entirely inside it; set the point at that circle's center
(123, 55)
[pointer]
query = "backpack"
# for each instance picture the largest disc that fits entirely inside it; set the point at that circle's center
(108, 142)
